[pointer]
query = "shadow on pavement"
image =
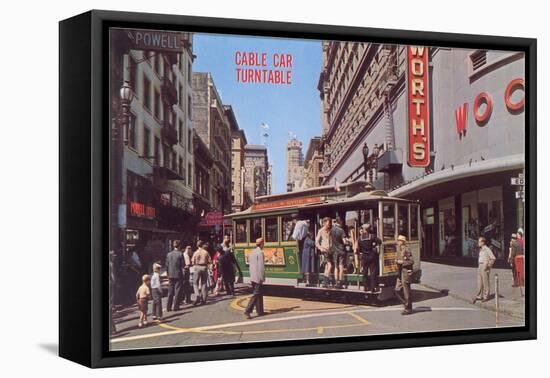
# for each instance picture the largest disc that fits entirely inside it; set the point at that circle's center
(422, 309)
(281, 310)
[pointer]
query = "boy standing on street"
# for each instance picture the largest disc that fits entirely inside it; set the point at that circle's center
(142, 296)
(156, 291)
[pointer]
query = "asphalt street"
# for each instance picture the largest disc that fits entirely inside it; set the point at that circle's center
(222, 320)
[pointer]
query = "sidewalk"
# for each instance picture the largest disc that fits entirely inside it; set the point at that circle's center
(460, 282)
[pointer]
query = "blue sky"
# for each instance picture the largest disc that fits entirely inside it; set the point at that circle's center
(285, 108)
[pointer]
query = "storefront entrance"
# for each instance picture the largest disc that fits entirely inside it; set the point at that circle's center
(482, 215)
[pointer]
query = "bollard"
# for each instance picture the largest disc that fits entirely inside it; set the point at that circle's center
(496, 300)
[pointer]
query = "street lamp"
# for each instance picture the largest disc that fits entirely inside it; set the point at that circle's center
(365, 158)
(126, 97)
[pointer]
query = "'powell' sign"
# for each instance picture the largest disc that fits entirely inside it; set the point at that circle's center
(156, 40)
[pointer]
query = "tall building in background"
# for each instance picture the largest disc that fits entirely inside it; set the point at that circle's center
(294, 164)
(239, 199)
(213, 127)
(152, 176)
(313, 164)
(469, 107)
(361, 85)
(256, 167)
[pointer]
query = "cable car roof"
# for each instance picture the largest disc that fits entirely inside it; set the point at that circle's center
(325, 196)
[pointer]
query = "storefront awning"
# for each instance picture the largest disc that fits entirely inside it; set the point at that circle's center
(461, 172)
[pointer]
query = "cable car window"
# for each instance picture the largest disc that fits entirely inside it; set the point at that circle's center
(271, 230)
(240, 234)
(288, 227)
(414, 222)
(403, 220)
(388, 219)
(255, 229)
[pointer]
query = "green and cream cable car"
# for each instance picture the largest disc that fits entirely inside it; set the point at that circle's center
(273, 218)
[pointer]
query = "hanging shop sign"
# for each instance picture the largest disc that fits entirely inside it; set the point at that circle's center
(213, 218)
(140, 210)
(418, 106)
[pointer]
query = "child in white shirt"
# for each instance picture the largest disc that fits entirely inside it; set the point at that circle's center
(156, 291)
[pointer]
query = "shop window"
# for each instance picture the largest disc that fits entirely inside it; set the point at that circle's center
(447, 231)
(288, 227)
(388, 220)
(255, 229)
(240, 231)
(403, 220)
(271, 230)
(414, 222)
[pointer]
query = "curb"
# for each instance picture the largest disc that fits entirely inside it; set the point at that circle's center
(485, 306)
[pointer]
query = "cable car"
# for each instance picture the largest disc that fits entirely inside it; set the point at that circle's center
(273, 218)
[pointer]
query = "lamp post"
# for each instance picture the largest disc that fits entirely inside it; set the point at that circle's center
(373, 159)
(119, 132)
(126, 97)
(366, 158)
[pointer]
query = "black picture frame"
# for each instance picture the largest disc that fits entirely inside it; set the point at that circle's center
(83, 196)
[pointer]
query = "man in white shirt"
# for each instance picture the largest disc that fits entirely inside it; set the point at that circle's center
(256, 267)
(486, 260)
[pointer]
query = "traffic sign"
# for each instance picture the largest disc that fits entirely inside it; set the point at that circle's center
(520, 194)
(518, 181)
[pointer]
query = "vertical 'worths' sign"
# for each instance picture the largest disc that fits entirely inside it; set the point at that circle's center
(418, 106)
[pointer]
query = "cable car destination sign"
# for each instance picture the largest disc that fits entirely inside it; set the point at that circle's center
(418, 106)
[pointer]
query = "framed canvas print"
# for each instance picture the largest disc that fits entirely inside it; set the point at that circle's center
(234, 188)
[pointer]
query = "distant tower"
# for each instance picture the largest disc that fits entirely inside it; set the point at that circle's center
(294, 163)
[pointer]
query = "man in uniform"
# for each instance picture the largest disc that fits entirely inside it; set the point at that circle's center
(404, 274)
(367, 247)
(338, 237)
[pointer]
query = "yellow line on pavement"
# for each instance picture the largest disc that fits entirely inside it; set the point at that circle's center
(208, 329)
(360, 318)
(237, 305)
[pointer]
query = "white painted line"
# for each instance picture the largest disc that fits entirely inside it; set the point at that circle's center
(273, 320)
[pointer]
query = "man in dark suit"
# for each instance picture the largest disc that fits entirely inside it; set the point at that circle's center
(174, 269)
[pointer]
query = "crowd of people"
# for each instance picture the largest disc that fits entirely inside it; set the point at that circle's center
(334, 244)
(215, 272)
(487, 259)
(209, 273)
